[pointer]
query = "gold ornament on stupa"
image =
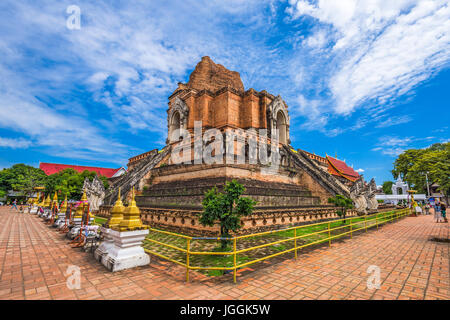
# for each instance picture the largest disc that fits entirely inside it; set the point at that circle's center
(131, 218)
(116, 213)
(41, 203)
(36, 200)
(413, 201)
(47, 201)
(79, 212)
(38, 196)
(55, 201)
(63, 208)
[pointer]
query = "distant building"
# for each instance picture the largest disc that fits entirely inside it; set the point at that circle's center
(52, 168)
(337, 168)
(399, 187)
(400, 193)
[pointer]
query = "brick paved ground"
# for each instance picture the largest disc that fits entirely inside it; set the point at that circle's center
(34, 258)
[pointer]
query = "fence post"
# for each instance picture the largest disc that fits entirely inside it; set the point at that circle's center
(329, 234)
(188, 248)
(295, 242)
(351, 228)
(234, 260)
(376, 219)
(365, 222)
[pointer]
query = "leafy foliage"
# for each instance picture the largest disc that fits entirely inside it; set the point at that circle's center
(387, 187)
(227, 208)
(21, 177)
(343, 203)
(413, 164)
(70, 182)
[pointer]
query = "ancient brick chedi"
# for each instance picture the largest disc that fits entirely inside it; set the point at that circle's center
(170, 192)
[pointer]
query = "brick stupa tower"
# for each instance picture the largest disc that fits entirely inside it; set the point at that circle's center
(170, 193)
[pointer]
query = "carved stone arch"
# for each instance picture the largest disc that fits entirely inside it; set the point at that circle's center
(177, 117)
(278, 118)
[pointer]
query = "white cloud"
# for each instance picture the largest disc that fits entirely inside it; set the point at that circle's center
(360, 170)
(393, 121)
(139, 50)
(392, 145)
(14, 143)
(382, 48)
(317, 40)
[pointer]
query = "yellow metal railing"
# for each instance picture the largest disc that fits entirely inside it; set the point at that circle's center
(292, 234)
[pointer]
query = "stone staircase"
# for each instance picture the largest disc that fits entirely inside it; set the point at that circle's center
(132, 178)
(327, 181)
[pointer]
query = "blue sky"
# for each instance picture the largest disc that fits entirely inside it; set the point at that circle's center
(363, 79)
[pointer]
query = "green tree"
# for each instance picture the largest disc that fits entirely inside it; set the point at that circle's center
(227, 208)
(70, 182)
(405, 161)
(434, 161)
(21, 177)
(343, 203)
(387, 187)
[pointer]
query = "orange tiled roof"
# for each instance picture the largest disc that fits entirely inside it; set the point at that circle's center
(340, 168)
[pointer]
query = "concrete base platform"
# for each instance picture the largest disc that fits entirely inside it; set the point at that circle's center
(127, 251)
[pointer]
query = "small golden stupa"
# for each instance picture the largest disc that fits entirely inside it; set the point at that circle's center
(116, 213)
(131, 218)
(55, 201)
(47, 201)
(38, 196)
(79, 212)
(42, 202)
(63, 208)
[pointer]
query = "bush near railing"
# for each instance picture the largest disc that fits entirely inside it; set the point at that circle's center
(204, 253)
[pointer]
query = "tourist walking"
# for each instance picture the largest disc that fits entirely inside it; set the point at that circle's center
(427, 209)
(443, 212)
(14, 204)
(437, 212)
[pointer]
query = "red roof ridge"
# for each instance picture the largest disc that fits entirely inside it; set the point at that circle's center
(77, 165)
(343, 169)
(52, 168)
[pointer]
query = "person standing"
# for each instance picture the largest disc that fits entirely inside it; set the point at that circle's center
(443, 212)
(437, 212)
(14, 204)
(427, 209)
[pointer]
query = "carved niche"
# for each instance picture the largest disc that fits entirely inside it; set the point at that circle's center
(177, 117)
(278, 118)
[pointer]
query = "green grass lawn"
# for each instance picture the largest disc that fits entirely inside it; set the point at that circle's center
(100, 220)
(201, 245)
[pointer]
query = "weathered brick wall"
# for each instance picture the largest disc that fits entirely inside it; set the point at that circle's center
(186, 221)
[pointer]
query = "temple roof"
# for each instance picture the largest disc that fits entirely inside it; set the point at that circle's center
(340, 168)
(52, 168)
